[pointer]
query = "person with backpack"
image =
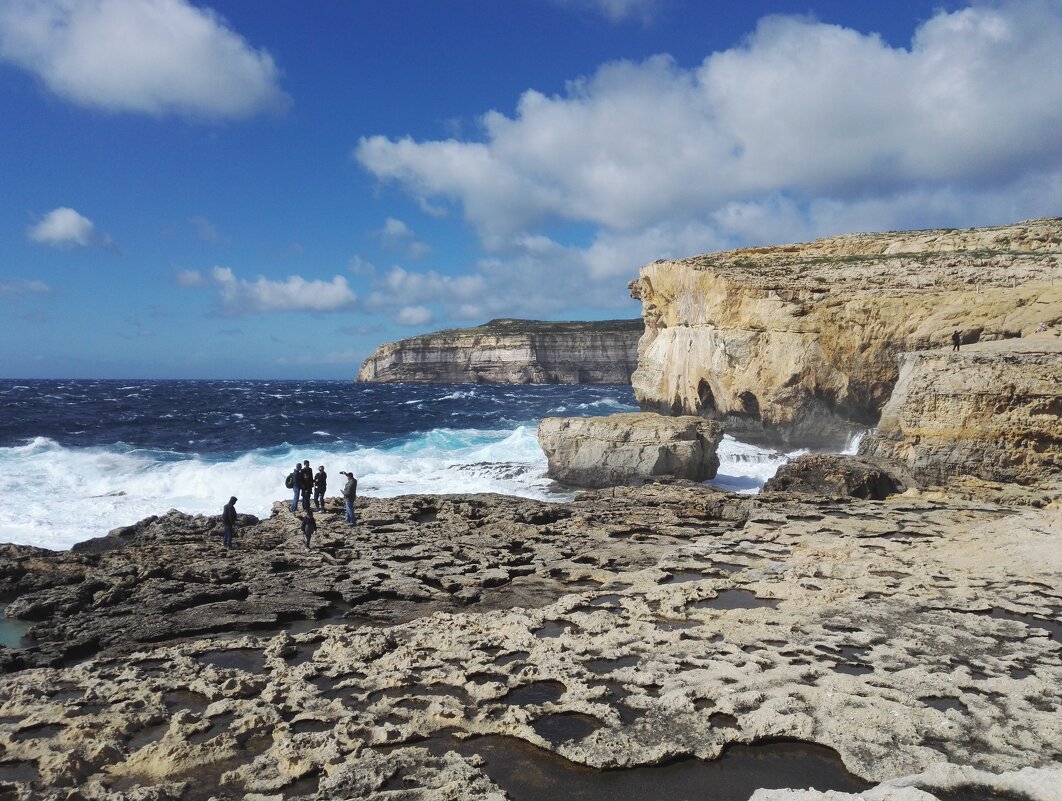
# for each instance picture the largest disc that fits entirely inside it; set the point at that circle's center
(350, 494)
(228, 521)
(294, 482)
(309, 526)
(320, 484)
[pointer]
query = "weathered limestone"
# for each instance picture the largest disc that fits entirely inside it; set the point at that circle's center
(666, 621)
(835, 475)
(629, 447)
(798, 341)
(512, 352)
(992, 410)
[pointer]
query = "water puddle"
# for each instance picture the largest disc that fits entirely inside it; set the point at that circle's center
(1052, 627)
(515, 656)
(25, 772)
(671, 624)
(13, 632)
(554, 628)
(178, 700)
(563, 727)
(218, 725)
(539, 692)
(943, 704)
(310, 726)
(527, 773)
(683, 576)
(249, 660)
(736, 599)
(603, 666)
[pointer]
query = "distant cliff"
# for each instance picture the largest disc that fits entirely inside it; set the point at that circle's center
(802, 341)
(512, 352)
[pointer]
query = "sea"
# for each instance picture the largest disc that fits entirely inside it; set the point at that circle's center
(79, 458)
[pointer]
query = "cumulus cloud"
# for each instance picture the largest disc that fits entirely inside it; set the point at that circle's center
(414, 315)
(617, 10)
(24, 287)
(799, 116)
(396, 235)
(66, 228)
(149, 56)
(240, 296)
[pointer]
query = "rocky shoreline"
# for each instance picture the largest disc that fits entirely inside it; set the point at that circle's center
(631, 627)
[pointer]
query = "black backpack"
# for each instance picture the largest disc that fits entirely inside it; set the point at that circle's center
(289, 482)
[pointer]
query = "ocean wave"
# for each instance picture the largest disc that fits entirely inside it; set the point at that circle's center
(58, 495)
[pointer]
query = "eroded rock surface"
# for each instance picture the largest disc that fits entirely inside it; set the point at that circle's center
(512, 352)
(992, 410)
(799, 341)
(629, 448)
(630, 627)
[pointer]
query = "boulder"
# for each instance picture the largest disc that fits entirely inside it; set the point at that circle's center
(629, 448)
(992, 411)
(836, 475)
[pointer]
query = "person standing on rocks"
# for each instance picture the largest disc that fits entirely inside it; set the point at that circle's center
(306, 484)
(320, 484)
(309, 526)
(228, 521)
(955, 340)
(350, 494)
(296, 485)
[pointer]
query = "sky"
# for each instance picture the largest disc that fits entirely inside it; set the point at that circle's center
(270, 190)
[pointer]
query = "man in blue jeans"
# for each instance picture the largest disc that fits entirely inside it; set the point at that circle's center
(350, 494)
(228, 520)
(296, 487)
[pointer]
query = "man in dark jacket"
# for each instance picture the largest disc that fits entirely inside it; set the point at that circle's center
(350, 494)
(320, 485)
(306, 484)
(955, 340)
(228, 520)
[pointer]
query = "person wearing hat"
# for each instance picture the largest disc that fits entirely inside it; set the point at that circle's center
(350, 494)
(228, 520)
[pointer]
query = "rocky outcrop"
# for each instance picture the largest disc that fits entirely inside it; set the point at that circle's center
(629, 448)
(512, 352)
(992, 411)
(798, 341)
(836, 475)
(458, 645)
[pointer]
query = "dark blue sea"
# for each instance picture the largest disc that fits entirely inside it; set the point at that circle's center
(78, 458)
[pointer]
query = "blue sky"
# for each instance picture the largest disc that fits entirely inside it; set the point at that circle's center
(259, 190)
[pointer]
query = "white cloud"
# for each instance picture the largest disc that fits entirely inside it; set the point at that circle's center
(414, 315)
(151, 56)
(240, 296)
(617, 10)
(191, 278)
(396, 235)
(800, 116)
(24, 287)
(65, 228)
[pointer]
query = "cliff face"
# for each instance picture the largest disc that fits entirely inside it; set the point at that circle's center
(993, 411)
(802, 341)
(512, 352)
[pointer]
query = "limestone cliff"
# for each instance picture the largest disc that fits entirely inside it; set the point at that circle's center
(799, 341)
(993, 411)
(512, 352)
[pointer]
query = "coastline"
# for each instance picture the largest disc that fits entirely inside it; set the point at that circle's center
(628, 627)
